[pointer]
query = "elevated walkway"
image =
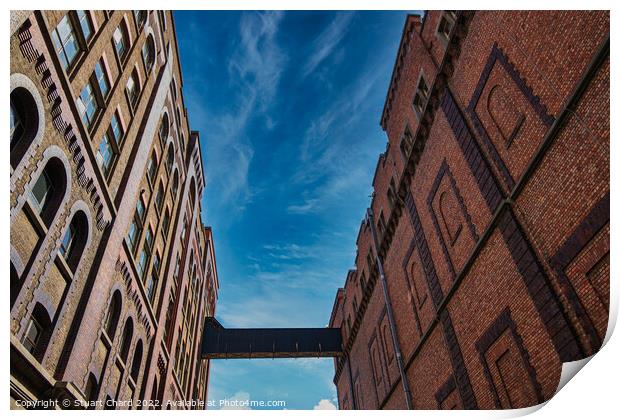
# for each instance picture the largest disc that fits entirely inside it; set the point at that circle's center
(253, 343)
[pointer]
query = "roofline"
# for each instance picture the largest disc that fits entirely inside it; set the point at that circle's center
(400, 46)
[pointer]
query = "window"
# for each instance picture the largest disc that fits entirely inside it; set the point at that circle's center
(381, 224)
(137, 360)
(32, 335)
(102, 79)
(140, 209)
(17, 122)
(121, 40)
(421, 96)
(146, 252)
(49, 190)
(105, 154)
(24, 123)
(114, 313)
(446, 23)
(116, 129)
(140, 16)
(406, 143)
(85, 24)
(159, 198)
(175, 185)
(391, 194)
(164, 128)
(152, 169)
(133, 88)
(142, 261)
(136, 225)
(170, 160)
(150, 287)
(148, 53)
(65, 42)
(42, 190)
(127, 336)
(148, 239)
(87, 104)
(74, 240)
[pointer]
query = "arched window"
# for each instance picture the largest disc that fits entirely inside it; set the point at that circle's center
(192, 193)
(164, 127)
(49, 189)
(137, 360)
(170, 160)
(74, 240)
(121, 39)
(38, 331)
(24, 123)
(148, 53)
(127, 336)
(92, 390)
(114, 313)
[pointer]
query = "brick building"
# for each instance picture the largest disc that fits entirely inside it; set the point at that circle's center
(490, 215)
(112, 270)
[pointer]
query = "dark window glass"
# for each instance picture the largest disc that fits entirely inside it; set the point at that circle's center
(102, 79)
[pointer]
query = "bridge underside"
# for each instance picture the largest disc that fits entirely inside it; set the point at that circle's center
(253, 343)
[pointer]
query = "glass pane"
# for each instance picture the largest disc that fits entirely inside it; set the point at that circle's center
(85, 24)
(67, 241)
(41, 190)
(117, 130)
(102, 79)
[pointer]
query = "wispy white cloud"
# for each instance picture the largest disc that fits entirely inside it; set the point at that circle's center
(254, 69)
(327, 41)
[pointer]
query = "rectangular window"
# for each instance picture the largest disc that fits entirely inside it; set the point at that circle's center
(87, 105)
(150, 287)
(166, 222)
(132, 236)
(142, 262)
(148, 239)
(102, 79)
(116, 129)
(159, 198)
(85, 24)
(446, 23)
(32, 335)
(140, 209)
(65, 43)
(120, 40)
(133, 90)
(421, 96)
(105, 155)
(406, 143)
(152, 169)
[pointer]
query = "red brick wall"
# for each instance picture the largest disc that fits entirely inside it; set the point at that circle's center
(493, 281)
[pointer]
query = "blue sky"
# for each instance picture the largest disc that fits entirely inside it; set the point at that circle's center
(288, 108)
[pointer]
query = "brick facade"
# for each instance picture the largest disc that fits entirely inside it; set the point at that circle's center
(112, 270)
(491, 204)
